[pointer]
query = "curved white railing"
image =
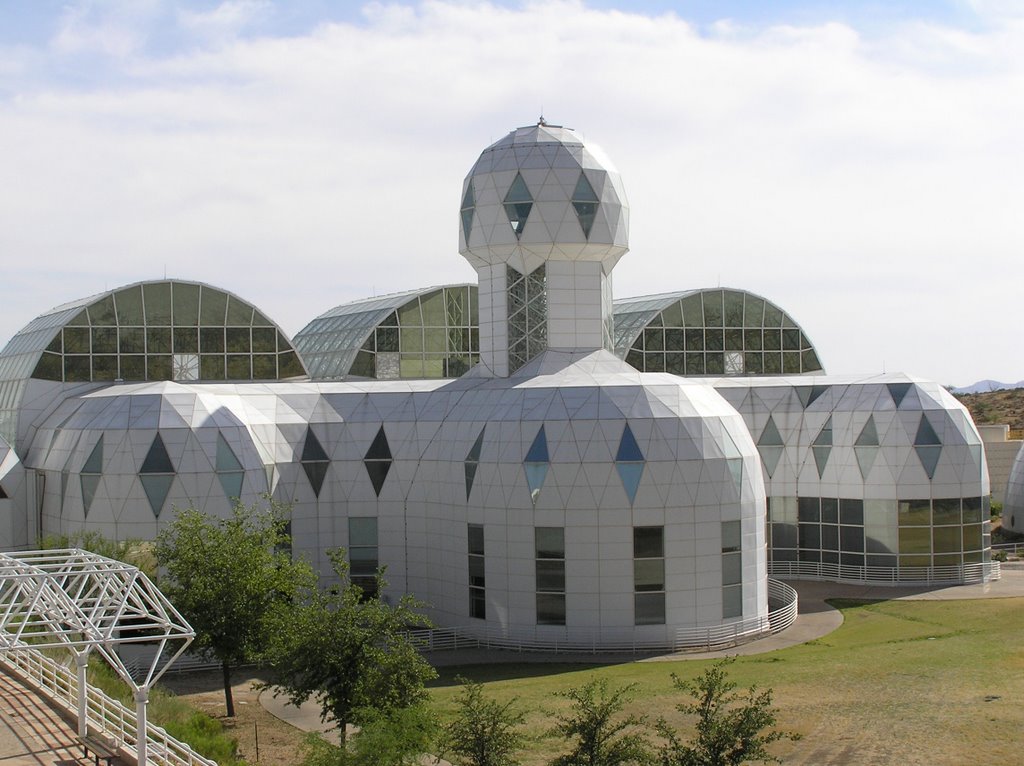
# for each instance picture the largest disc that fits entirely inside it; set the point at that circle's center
(783, 606)
(964, 574)
(104, 714)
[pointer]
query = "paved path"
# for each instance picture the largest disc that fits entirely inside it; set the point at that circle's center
(31, 732)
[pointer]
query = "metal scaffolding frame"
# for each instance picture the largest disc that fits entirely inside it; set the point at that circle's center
(81, 601)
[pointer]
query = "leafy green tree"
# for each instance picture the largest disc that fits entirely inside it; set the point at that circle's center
(395, 737)
(350, 650)
(731, 728)
(227, 577)
(483, 732)
(600, 740)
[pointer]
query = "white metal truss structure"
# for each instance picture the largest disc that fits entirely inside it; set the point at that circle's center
(82, 601)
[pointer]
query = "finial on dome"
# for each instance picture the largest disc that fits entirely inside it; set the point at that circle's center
(541, 120)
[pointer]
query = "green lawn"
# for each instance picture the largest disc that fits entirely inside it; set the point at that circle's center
(901, 682)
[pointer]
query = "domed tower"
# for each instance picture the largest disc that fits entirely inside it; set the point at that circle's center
(544, 220)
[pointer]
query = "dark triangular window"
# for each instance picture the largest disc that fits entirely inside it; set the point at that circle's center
(585, 201)
(3, 493)
(378, 461)
(536, 464)
(897, 391)
(473, 460)
(94, 463)
(468, 206)
(518, 204)
(629, 450)
(157, 460)
(808, 394)
(538, 452)
(926, 435)
(229, 470)
(314, 461)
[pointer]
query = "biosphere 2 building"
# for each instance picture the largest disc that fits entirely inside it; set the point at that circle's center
(533, 486)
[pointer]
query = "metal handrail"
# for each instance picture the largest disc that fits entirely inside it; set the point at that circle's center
(962, 574)
(783, 608)
(104, 713)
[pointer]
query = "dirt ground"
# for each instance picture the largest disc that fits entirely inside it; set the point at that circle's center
(262, 738)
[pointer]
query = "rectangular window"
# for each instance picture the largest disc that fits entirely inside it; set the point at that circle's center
(550, 569)
(649, 575)
(732, 569)
(477, 597)
(362, 553)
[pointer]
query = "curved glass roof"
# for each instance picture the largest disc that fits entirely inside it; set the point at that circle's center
(716, 331)
(161, 330)
(426, 333)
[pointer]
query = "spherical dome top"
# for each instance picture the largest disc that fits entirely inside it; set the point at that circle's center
(540, 194)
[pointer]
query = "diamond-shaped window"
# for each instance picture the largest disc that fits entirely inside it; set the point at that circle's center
(468, 206)
(90, 475)
(898, 391)
(536, 464)
(808, 394)
(314, 461)
(822, 447)
(928, 446)
(229, 470)
(157, 474)
(629, 462)
(585, 201)
(518, 204)
(378, 461)
(866, 447)
(473, 460)
(770, 445)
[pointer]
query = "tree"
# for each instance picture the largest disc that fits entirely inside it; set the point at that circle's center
(483, 732)
(395, 737)
(601, 741)
(350, 650)
(730, 727)
(227, 577)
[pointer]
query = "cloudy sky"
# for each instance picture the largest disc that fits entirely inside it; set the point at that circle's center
(858, 163)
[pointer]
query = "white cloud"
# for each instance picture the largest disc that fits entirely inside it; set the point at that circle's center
(226, 20)
(868, 185)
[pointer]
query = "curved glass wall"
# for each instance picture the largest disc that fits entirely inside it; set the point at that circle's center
(166, 330)
(711, 332)
(431, 333)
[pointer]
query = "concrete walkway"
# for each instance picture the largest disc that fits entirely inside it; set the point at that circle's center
(816, 619)
(31, 732)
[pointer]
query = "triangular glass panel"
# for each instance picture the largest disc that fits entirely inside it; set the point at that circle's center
(929, 457)
(3, 493)
(770, 457)
(808, 394)
(926, 436)
(824, 437)
(821, 458)
(90, 481)
(157, 486)
(868, 434)
(226, 460)
(468, 206)
(865, 459)
(64, 477)
(535, 475)
(271, 473)
(472, 460)
(538, 452)
(157, 460)
(629, 450)
(94, 463)
(518, 204)
(897, 391)
(585, 201)
(311, 448)
(770, 436)
(316, 471)
(379, 449)
(736, 469)
(630, 473)
(231, 482)
(377, 470)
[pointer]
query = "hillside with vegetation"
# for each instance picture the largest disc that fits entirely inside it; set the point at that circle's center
(1006, 406)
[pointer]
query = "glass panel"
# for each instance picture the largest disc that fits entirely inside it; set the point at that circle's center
(852, 539)
(915, 540)
(551, 609)
(830, 537)
(730, 536)
(809, 509)
(211, 367)
(550, 542)
(476, 539)
(102, 312)
(104, 367)
(946, 539)
(157, 297)
(239, 313)
(810, 536)
(50, 367)
(714, 340)
(830, 510)
(734, 340)
(239, 367)
(914, 513)
(649, 608)
(211, 340)
(362, 530)
(264, 366)
(104, 340)
(732, 601)
(972, 537)
(732, 569)
(264, 340)
(214, 307)
(158, 367)
(132, 340)
(648, 542)
(186, 340)
(238, 340)
(476, 571)
(713, 308)
(733, 308)
(784, 536)
(972, 510)
(648, 574)
(946, 511)
(129, 306)
(158, 340)
(851, 511)
(186, 304)
(714, 364)
(76, 340)
(550, 575)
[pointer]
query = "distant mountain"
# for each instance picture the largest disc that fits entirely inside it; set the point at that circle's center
(984, 386)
